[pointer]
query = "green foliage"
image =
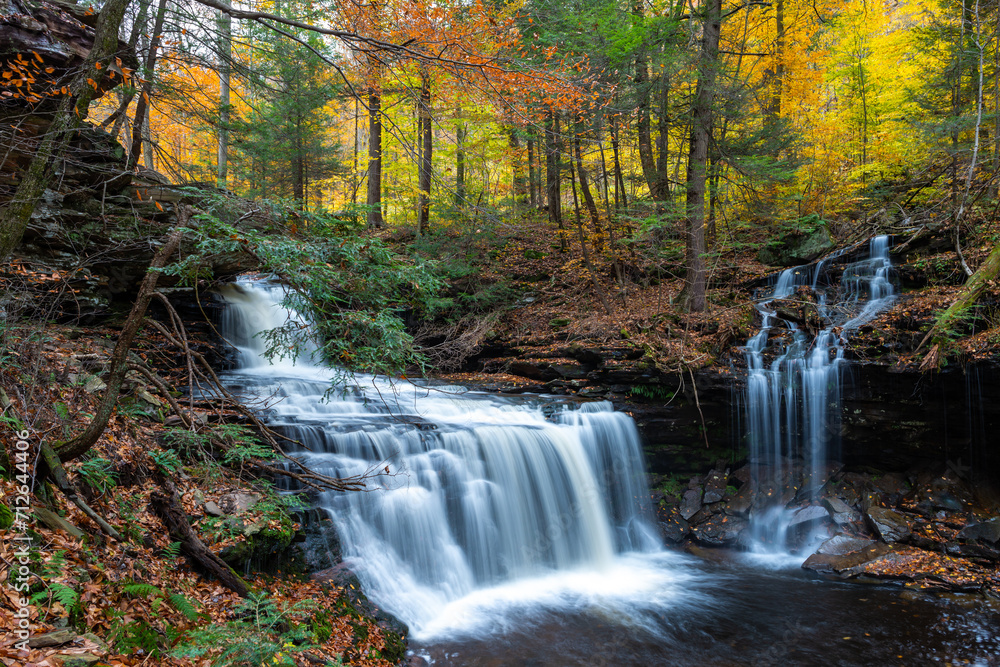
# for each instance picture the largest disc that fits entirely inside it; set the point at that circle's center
(264, 634)
(166, 461)
(158, 598)
(99, 474)
(353, 290)
(651, 392)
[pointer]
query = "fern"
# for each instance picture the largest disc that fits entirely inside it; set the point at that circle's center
(143, 590)
(172, 551)
(184, 606)
(64, 595)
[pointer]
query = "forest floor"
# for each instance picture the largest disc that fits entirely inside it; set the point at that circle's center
(632, 298)
(139, 601)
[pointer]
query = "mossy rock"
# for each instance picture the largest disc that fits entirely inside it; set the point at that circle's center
(262, 550)
(6, 517)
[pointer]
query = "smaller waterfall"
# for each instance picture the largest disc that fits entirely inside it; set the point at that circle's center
(793, 398)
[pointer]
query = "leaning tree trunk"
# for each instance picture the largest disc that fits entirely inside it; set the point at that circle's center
(956, 312)
(68, 117)
(79, 445)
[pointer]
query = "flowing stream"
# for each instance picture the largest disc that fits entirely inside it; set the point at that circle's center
(517, 531)
(793, 393)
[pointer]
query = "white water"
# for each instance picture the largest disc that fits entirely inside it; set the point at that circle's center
(793, 401)
(493, 510)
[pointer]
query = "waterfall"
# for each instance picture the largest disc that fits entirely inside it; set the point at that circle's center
(793, 394)
(470, 492)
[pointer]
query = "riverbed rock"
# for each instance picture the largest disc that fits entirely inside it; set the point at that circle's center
(674, 527)
(741, 502)
(715, 487)
(720, 530)
(987, 531)
(889, 525)
(840, 512)
(807, 516)
(690, 503)
(844, 555)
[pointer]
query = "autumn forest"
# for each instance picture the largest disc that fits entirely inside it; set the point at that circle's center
(468, 332)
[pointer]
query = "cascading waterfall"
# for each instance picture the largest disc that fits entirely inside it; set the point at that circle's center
(474, 493)
(792, 401)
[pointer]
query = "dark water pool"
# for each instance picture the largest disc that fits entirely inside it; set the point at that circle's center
(741, 615)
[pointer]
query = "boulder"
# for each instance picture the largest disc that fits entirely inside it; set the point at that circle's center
(212, 509)
(841, 512)
(690, 503)
(797, 247)
(740, 504)
(238, 503)
(54, 638)
(987, 531)
(674, 528)
(844, 555)
(715, 487)
(808, 516)
(889, 525)
(720, 530)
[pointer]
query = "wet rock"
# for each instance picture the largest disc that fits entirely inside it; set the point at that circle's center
(845, 556)
(701, 516)
(238, 503)
(56, 638)
(741, 475)
(987, 531)
(809, 515)
(674, 528)
(715, 487)
(893, 485)
(690, 503)
(740, 504)
(889, 525)
(841, 513)
(720, 530)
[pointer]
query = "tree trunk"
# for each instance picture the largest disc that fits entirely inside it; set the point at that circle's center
(79, 445)
(140, 123)
(588, 197)
(701, 133)
(67, 118)
(374, 200)
(460, 135)
(552, 176)
(598, 289)
(225, 58)
(621, 199)
(519, 186)
(643, 122)
(426, 161)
